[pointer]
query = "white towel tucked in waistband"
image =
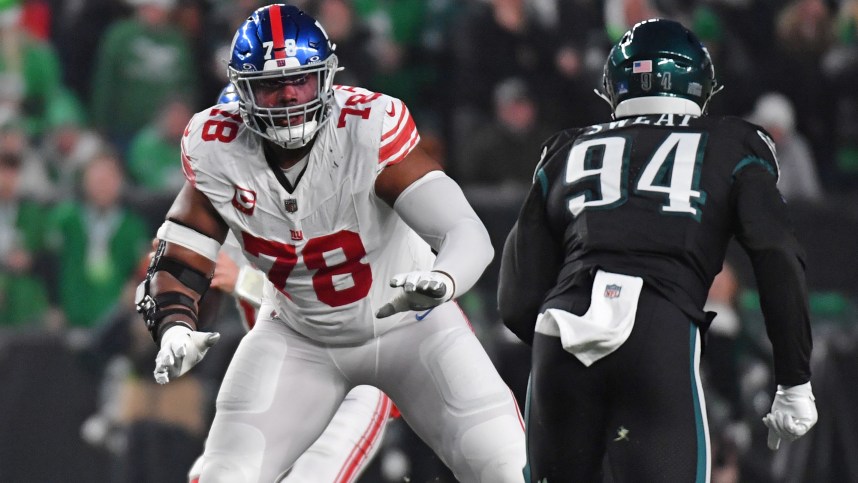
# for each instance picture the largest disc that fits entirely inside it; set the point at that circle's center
(606, 325)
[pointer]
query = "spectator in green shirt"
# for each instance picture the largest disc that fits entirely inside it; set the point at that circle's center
(23, 297)
(142, 62)
(153, 157)
(30, 75)
(98, 243)
(66, 147)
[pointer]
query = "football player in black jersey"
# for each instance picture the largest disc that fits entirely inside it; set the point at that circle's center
(607, 269)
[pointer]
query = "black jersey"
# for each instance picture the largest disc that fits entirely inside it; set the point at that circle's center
(659, 197)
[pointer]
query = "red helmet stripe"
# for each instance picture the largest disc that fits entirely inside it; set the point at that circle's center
(277, 31)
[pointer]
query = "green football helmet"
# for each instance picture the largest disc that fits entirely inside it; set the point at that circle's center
(662, 59)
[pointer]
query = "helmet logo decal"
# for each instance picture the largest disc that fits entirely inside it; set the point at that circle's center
(248, 67)
(695, 89)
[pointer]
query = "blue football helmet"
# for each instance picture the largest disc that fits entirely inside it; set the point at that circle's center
(228, 94)
(276, 46)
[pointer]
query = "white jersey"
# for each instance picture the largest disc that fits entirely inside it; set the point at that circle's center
(330, 245)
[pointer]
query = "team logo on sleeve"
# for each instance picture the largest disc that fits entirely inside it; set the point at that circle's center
(244, 200)
(612, 291)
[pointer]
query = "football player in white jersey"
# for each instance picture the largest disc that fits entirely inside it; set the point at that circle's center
(353, 437)
(365, 242)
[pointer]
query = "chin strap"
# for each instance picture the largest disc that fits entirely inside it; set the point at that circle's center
(293, 142)
(717, 89)
(605, 97)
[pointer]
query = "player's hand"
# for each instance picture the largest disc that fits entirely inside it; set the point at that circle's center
(420, 291)
(793, 414)
(181, 349)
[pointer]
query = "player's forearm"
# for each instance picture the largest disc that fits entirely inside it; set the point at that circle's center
(178, 277)
(529, 268)
(778, 260)
(177, 280)
(164, 283)
(465, 254)
(437, 210)
(783, 299)
(518, 304)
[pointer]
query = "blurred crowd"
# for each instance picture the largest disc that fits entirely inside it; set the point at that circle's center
(95, 95)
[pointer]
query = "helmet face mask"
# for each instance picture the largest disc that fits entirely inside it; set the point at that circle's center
(659, 59)
(279, 48)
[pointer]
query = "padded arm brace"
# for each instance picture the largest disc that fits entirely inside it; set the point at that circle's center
(155, 307)
(189, 238)
(435, 207)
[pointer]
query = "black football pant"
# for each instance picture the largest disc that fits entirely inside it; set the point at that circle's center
(641, 406)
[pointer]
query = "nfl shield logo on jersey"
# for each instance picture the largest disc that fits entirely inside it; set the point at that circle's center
(244, 200)
(291, 205)
(612, 291)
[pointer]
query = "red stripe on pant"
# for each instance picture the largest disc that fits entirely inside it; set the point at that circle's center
(372, 433)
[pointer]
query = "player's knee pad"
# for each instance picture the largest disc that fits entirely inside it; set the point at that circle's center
(234, 454)
(496, 449)
(464, 391)
(250, 382)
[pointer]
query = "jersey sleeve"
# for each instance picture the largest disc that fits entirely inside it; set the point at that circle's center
(208, 130)
(187, 168)
(765, 232)
(759, 150)
(530, 263)
(399, 134)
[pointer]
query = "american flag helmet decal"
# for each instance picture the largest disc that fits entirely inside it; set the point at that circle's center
(641, 66)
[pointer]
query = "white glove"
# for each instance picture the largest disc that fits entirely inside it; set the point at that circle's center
(181, 349)
(420, 291)
(793, 414)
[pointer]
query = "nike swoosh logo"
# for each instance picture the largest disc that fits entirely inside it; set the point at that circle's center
(422, 316)
(392, 111)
